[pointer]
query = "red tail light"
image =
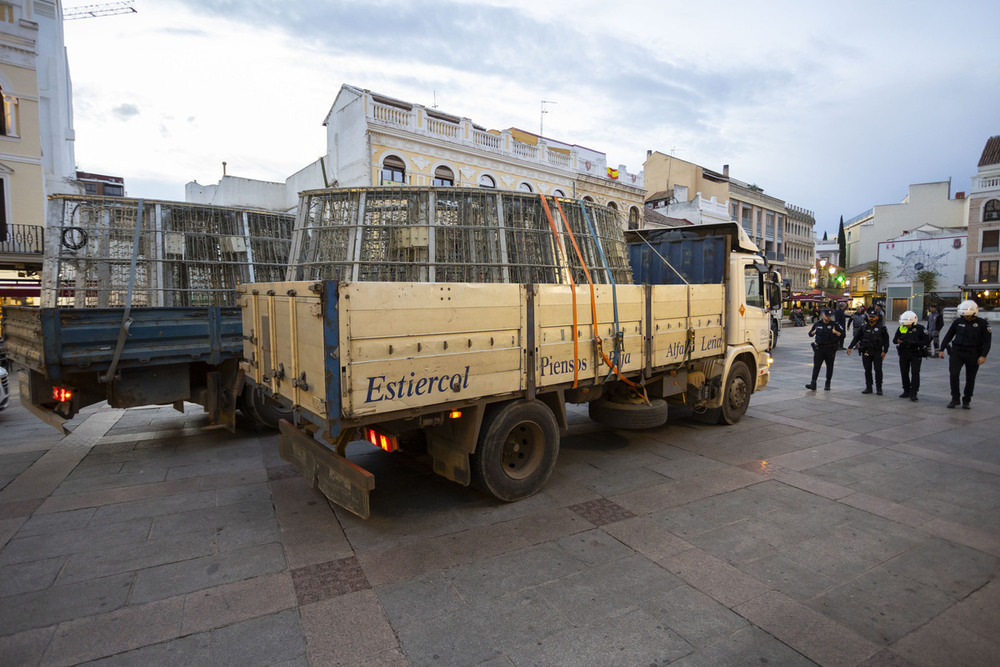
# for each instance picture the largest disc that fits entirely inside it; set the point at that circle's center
(61, 394)
(383, 440)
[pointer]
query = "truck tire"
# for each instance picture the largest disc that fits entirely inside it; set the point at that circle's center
(264, 411)
(774, 335)
(736, 398)
(633, 416)
(517, 450)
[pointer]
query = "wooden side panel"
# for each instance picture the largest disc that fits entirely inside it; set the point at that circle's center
(412, 345)
(679, 333)
(554, 331)
(283, 341)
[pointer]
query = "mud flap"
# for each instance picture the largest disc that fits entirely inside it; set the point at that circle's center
(342, 482)
(47, 415)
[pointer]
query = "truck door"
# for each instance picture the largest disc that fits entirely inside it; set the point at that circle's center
(756, 316)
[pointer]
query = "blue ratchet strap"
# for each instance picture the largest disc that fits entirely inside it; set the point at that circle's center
(619, 343)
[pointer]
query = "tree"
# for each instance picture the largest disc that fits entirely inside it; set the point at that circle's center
(929, 279)
(824, 236)
(842, 242)
(877, 272)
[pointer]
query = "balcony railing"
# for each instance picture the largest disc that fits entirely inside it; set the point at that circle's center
(21, 239)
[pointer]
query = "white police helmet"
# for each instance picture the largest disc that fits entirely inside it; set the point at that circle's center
(908, 319)
(968, 307)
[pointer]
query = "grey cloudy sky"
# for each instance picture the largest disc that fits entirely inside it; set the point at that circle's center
(834, 107)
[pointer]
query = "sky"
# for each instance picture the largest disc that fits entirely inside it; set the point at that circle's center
(834, 107)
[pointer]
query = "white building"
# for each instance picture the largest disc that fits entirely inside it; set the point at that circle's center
(924, 204)
(927, 248)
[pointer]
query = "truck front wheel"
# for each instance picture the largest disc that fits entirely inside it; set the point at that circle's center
(517, 450)
(737, 394)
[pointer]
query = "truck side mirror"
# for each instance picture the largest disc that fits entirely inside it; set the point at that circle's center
(774, 295)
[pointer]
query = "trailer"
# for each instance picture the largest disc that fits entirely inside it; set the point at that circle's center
(139, 307)
(481, 371)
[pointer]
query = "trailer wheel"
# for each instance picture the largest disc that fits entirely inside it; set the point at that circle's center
(517, 450)
(629, 415)
(737, 394)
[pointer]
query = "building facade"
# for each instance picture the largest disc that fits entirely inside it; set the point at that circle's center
(684, 190)
(925, 203)
(982, 264)
(36, 136)
(925, 249)
(374, 140)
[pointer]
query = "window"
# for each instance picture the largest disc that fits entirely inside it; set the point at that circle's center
(988, 271)
(992, 210)
(114, 191)
(487, 182)
(393, 170)
(90, 188)
(558, 193)
(633, 218)
(8, 115)
(3, 210)
(755, 296)
(443, 176)
(588, 198)
(613, 206)
(991, 240)
(524, 187)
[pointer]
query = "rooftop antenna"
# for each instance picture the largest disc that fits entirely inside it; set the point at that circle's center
(541, 120)
(435, 105)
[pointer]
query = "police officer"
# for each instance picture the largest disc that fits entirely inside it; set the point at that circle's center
(911, 341)
(969, 337)
(827, 333)
(872, 340)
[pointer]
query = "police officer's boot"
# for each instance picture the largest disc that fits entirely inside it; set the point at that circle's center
(913, 396)
(878, 391)
(827, 386)
(811, 386)
(868, 390)
(966, 403)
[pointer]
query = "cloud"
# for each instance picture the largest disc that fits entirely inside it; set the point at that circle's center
(126, 111)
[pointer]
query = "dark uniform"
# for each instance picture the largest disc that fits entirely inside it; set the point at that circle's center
(872, 341)
(911, 346)
(966, 341)
(840, 317)
(827, 334)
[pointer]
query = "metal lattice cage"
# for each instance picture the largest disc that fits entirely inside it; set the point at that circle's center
(184, 254)
(454, 235)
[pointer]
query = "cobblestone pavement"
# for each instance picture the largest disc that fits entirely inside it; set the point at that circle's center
(825, 528)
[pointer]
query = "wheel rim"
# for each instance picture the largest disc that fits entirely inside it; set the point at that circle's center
(522, 450)
(738, 393)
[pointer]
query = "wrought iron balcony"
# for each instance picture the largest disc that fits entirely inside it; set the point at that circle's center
(22, 240)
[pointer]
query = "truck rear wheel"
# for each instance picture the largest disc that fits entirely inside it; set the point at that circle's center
(517, 450)
(737, 394)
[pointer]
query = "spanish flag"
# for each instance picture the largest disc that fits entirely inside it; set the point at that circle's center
(612, 173)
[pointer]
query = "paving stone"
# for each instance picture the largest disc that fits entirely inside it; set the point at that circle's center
(269, 640)
(46, 545)
(880, 605)
(352, 630)
(509, 573)
(322, 581)
(309, 530)
(696, 617)
(632, 638)
(488, 631)
(30, 576)
(608, 589)
(100, 560)
(232, 603)
(648, 538)
(25, 648)
(714, 577)
(58, 603)
(190, 651)
(164, 581)
(122, 630)
(808, 632)
(750, 646)
(952, 569)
